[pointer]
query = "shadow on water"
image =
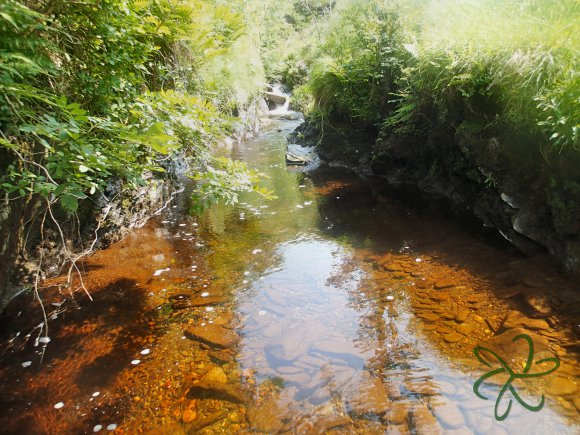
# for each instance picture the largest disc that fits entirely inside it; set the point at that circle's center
(92, 343)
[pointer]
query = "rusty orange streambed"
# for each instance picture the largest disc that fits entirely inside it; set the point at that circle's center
(336, 308)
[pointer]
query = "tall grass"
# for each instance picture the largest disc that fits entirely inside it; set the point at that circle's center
(512, 65)
(500, 23)
(359, 63)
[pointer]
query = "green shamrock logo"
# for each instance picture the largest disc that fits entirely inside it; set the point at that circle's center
(505, 368)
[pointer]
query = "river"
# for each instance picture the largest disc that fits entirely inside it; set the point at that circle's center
(338, 307)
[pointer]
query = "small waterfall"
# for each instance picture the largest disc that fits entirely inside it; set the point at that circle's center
(277, 90)
(278, 100)
(279, 103)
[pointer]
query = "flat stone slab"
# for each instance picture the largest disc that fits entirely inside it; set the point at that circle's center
(465, 329)
(424, 421)
(516, 319)
(393, 267)
(423, 284)
(538, 304)
(454, 337)
(429, 317)
(298, 155)
(462, 315)
(329, 422)
(212, 335)
(504, 345)
(439, 296)
(444, 283)
(371, 399)
(561, 386)
(276, 98)
(180, 302)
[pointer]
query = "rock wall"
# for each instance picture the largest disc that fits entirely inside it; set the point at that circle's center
(531, 197)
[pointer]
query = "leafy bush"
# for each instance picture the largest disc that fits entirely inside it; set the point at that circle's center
(74, 109)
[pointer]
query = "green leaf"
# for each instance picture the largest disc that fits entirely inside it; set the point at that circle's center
(84, 169)
(69, 202)
(77, 194)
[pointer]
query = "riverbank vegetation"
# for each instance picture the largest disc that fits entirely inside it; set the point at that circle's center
(509, 65)
(479, 99)
(104, 93)
(109, 89)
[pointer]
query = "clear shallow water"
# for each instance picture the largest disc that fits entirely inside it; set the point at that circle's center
(335, 307)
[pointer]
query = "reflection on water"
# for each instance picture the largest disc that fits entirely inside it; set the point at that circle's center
(334, 308)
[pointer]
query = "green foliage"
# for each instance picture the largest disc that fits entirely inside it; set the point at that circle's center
(560, 112)
(511, 67)
(287, 34)
(24, 54)
(232, 80)
(96, 90)
(361, 61)
(302, 99)
(103, 55)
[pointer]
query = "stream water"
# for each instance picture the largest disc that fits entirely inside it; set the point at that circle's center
(338, 307)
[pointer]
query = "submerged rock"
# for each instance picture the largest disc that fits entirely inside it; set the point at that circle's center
(274, 329)
(221, 357)
(288, 347)
(423, 422)
(503, 345)
(453, 337)
(289, 370)
(447, 413)
(341, 350)
(393, 267)
(215, 390)
(561, 386)
(266, 416)
(216, 374)
(180, 302)
(444, 283)
(462, 315)
(533, 283)
(329, 422)
(429, 317)
(465, 329)
(172, 428)
(424, 388)
(423, 284)
(371, 399)
(398, 413)
(439, 296)
(538, 304)
(212, 335)
(206, 421)
(319, 396)
(516, 319)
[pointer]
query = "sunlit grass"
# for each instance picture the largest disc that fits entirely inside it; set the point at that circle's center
(521, 58)
(492, 24)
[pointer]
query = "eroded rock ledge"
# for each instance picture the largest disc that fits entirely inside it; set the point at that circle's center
(531, 198)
